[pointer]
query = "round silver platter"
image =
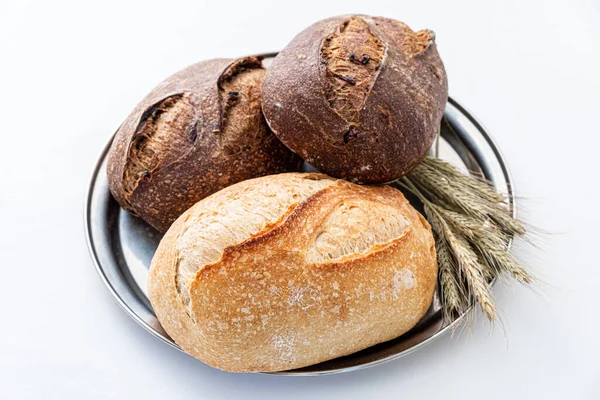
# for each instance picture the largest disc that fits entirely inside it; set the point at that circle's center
(122, 245)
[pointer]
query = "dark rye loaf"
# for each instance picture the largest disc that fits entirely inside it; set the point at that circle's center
(358, 97)
(197, 132)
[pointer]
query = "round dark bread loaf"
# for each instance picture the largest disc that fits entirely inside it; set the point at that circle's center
(358, 97)
(197, 132)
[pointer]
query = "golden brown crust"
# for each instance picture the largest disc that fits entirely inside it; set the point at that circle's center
(368, 123)
(261, 306)
(197, 132)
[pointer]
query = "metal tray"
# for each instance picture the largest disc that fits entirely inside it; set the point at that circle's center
(122, 246)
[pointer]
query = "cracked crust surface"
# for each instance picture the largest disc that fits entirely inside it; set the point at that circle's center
(289, 270)
(197, 132)
(357, 97)
(353, 56)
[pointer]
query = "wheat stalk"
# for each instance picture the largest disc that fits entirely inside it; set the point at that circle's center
(480, 186)
(466, 259)
(472, 226)
(452, 292)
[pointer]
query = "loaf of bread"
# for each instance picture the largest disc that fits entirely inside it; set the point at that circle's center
(357, 97)
(197, 132)
(289, 270)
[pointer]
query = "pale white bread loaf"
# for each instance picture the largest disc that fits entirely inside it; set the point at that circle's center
(290, 270)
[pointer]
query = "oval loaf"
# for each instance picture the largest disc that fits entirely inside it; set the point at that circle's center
(289, 270)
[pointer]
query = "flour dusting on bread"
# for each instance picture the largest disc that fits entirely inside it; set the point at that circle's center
(291, 270)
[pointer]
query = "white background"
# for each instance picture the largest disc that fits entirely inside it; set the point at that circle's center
(71, 72)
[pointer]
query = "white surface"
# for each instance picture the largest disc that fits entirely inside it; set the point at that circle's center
(71, 72)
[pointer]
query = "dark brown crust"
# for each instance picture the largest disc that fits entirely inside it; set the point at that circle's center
(397, 123)
(196, 167)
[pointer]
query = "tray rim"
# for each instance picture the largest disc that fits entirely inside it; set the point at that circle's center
(511, 196)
